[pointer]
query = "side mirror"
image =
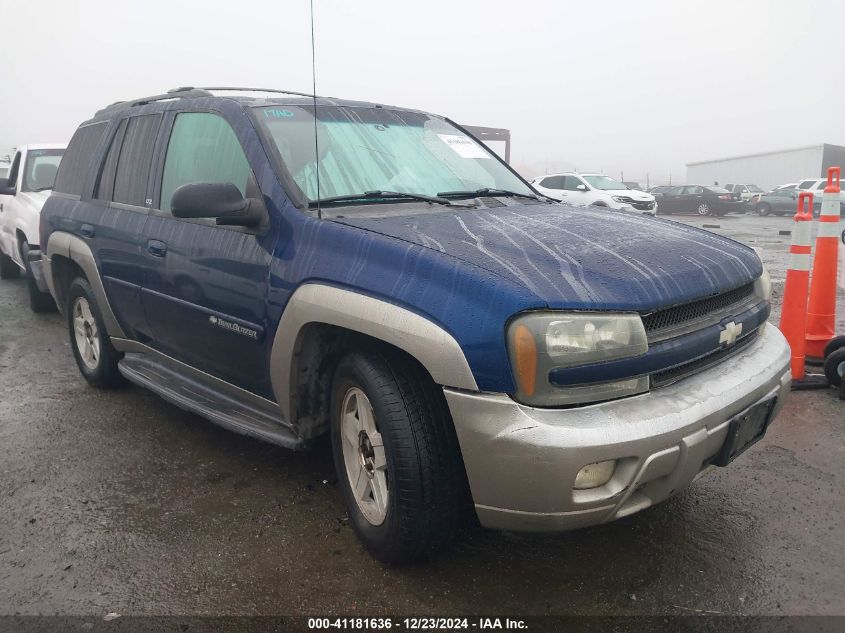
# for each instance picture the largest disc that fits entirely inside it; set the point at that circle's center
(220, 200)
(581, 187)
(7, 189)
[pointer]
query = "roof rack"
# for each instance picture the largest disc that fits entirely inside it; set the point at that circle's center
(236, 89)
(176, 93)
(190, 92)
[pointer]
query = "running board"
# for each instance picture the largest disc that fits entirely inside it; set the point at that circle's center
(263, 422)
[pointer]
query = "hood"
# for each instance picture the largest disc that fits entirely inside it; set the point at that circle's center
(33, 199)
(633, 194)
(581, 258)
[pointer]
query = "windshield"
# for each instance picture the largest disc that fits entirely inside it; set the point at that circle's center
(605, 183)
(717, 190)
(40, 170)
(366, 149)
(4, 172)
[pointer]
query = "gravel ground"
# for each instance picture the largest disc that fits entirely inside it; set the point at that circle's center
(118, 502)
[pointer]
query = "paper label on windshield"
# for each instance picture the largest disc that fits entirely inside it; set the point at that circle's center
(464, 146)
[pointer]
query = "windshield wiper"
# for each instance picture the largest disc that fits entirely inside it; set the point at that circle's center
(382, 195)
(41, 189)
(487, 191)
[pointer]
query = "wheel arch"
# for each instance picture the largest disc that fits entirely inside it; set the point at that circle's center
(67, 256)
(321, 321)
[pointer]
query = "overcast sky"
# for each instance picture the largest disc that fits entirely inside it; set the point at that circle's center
(633, 86)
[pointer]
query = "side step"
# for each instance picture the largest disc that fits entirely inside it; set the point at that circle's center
(265, 423)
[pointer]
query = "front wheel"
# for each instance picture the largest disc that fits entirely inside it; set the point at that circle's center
(95, 356)
(764, 209)
(396, 456)
(703, 209)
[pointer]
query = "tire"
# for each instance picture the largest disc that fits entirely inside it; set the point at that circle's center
(8, 268)
(97, 360)
(417, 472)
(837, 342)
(834, 367)
(38, 301)
(703, 209)
(764, 209)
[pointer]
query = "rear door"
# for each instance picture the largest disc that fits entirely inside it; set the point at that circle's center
(206, 293)
(119, 210)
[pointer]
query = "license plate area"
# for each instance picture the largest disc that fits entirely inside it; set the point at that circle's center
(744, 431)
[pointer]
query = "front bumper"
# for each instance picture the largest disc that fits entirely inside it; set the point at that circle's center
(624, 206)
(521, 461)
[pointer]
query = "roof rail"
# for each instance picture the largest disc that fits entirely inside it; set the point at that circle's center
(176, 93)
(235, 89)
(190, 92)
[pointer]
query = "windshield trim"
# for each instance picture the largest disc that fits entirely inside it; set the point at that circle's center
(292, 189)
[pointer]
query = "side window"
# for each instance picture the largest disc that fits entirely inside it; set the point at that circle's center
(133, 163)
(41, 168)
(105, 182)
(553, 182)
(806, 184)
(78, 158)
(202, 148)
(572, 183)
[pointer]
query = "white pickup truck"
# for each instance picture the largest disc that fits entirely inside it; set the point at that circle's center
(22, 194)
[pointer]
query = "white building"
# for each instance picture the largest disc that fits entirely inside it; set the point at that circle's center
(769, 169)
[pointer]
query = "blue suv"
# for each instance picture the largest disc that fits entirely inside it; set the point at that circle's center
(290, 266)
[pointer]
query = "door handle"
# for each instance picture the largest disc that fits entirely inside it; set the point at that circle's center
(156, 248)
(87, 230)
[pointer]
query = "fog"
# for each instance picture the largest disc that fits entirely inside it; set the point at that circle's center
(634, 87)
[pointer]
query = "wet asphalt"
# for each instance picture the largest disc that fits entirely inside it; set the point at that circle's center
(117, 502)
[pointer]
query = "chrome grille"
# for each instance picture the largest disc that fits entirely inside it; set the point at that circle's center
(674, 374)
(669, 322)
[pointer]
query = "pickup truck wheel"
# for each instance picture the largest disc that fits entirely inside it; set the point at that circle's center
(38, 301)
(8, 268)
(95, 356)
(396, 456)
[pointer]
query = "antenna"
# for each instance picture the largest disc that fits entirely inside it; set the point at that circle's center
(314, 95)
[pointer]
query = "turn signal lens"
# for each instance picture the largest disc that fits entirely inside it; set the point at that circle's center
(525, 352)
(594, 475)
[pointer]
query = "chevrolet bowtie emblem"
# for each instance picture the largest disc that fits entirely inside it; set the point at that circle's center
(728, 336)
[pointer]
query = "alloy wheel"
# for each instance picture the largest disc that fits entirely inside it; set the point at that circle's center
(363, 456)
(86, 333)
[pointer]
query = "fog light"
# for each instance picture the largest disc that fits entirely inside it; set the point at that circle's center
(594, 475)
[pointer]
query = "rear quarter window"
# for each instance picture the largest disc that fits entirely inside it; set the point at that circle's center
(136, 155)
(78, 159)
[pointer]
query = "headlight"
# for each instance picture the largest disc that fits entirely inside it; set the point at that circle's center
(541, 341)
(763, 285)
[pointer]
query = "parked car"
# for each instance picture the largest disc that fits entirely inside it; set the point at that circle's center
(816, 186)
(700, 199)
(777, 202)
(660, 190)
(787, 186)
(746, 193)
(463, 341)
(594, 189)
(22, 194)
(635, 186)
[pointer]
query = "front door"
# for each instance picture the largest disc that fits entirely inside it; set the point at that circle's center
(206, 292)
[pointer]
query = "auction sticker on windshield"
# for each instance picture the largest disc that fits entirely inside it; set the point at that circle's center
(463, 146)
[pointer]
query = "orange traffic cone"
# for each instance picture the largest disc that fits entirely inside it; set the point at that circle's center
(794, 310)
(821, 309)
